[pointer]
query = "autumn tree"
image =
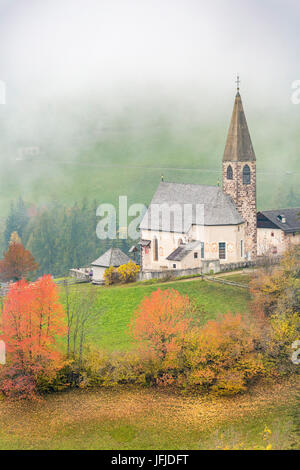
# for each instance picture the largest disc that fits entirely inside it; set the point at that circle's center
(276, 302)
(17, 263)
(82, 312)
(160, 319)
(14, 238)
(221, 355)
(31, 323)
(277, 290)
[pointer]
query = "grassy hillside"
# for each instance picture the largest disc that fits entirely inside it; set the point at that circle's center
(119, 303)
(128, 155)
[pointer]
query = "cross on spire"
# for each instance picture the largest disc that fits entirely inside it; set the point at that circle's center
(238, 81)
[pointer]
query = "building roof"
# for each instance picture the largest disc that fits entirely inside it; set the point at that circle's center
(189, 204)
(144, 242)
(238, 145)
(112, 257)
(287, 220)
(182, 251)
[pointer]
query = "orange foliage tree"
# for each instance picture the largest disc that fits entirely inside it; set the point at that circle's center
(160, 320)
(32, 320)
(17, 263)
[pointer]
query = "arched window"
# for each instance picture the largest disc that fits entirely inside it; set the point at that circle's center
(246, 175)
(229, 173)
(155, 249)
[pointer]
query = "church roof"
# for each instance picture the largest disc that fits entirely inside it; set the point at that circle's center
(238, 145)
(112, 257)
(182, 251)
(189, 204)
(287, 220)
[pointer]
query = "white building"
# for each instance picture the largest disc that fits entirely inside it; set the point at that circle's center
(277, 230)
(188, 223)
(112, 257)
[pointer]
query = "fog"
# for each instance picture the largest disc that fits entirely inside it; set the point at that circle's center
(73, 68)
(119, 48)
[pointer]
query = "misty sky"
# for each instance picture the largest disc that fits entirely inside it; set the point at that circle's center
(120, 48)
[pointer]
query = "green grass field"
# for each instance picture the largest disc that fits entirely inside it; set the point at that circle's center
(242, 278)
(119, 303)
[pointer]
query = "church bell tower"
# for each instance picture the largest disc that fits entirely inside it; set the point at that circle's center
(239, 173)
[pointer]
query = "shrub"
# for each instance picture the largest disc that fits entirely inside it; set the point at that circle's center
(220, 356)
(132, 367)
(276, 343)
(128, 272)
(110, 276)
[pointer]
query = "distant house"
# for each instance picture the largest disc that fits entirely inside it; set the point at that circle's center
(28, 151)
(277, 230)
(112, 257)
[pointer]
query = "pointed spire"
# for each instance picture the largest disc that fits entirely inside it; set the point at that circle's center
(238, 145)
(238, 81)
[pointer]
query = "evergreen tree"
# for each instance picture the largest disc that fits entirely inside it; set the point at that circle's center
(16, 221)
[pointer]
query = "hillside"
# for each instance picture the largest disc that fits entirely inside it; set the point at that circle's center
(126, 158)
(117, 304)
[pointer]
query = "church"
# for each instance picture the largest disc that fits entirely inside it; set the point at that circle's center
(187, 225)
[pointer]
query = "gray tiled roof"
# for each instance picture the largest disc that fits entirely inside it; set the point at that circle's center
(274, 218)
(218, 207)
(182, 251)
(112, 257)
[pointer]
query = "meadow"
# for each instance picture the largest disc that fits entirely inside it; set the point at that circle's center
(152, 419)
(117, 304)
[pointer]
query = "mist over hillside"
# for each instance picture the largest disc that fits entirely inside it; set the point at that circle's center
(102, 97)
(97, 153)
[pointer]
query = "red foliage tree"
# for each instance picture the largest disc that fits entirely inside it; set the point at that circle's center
(161, 319)
(32, 320)
(17, 263)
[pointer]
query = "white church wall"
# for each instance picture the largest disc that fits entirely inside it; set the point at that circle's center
(188, 262)
(167, 243)
(231, 235)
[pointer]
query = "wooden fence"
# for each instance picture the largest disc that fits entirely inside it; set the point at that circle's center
(226, 282)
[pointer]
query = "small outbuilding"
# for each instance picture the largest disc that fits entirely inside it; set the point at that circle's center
(112, 257)
(277, 230)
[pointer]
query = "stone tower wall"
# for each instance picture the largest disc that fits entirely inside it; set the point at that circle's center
(244, 196)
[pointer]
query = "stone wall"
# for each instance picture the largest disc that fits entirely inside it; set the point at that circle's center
(80, 274)
(244, 196)
(208, 267)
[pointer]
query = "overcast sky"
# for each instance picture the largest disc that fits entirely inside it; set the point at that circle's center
(183, 48)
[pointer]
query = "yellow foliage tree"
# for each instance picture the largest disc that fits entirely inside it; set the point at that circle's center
(128, 272)
(14, 238)
(110, 276)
